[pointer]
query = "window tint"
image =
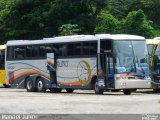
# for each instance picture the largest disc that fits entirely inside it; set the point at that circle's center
(29, 51)
(19, 52)
(55, 49)
(35, 51)
(49, 49)
(63, 50)
(10, 53)
(42, 52)
(89, 48)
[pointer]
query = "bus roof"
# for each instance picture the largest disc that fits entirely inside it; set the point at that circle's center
(75, 38)
(152, 41)
(2, 47)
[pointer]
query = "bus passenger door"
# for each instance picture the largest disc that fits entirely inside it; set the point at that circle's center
(107, 70)
(110, 70)
(51, 66)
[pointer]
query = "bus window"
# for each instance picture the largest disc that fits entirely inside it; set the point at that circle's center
(74, 49)
(29, 51)
(105, 45)
(19, 52)
(35, 51)
(55, 50)
(49, 49)
(10, 53)
(63, 50)
(89, 48)
(42, 52)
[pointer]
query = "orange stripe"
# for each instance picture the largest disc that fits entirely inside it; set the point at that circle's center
(70, 83)
(25, 73)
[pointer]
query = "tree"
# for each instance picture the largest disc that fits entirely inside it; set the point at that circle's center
(137, 23)
(107, 23)
(69, 29)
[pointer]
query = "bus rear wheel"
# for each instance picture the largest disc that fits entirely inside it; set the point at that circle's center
(29, 85)
(127, 91)
(98, 90)
(40, 85)
(69, 90)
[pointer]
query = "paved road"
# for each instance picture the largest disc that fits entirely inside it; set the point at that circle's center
(19, 101)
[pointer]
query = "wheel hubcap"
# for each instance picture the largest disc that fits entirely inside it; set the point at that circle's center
(40, 85)
(29, 85)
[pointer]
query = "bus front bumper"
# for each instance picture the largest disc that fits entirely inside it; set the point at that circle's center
(133, 83)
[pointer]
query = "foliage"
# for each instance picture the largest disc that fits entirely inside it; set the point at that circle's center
(69, 29)
(36, 19)
(137, 23)
(107, 23)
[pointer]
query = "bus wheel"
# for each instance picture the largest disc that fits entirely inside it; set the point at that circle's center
(127, 91)
(55, 90)
(69, 90)
(40, 85)
(6, 86)
(156, 90)
(97, 90)
(29, 85)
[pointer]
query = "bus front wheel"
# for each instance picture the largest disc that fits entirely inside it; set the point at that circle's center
(127, 91)
(98, 90)
(29, 85)
(40, 85)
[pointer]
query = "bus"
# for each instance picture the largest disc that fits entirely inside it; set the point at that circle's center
(153, 47)
(90, 62)
(2, 65)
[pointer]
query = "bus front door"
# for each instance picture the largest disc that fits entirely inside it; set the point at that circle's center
(106, 62)
(51, 67)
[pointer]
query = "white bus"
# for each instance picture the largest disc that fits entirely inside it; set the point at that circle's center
(98, 62)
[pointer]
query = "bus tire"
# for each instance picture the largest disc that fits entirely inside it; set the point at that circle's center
(6, 86)
(156, 90)
(97, 90)
(55, 90)
(40, 85)
(127, 91)
(29, 85)
(69, 90)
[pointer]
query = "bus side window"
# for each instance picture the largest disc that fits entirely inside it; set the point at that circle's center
(63, 50)
(55, 49)
(10, 53)
(19, 52)
(29, 51)
(90, 48)
(35, 51)
(49, 49)
(78, 49)
(42, 52)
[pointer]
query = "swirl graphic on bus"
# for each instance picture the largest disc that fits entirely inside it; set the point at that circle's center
(84, 72)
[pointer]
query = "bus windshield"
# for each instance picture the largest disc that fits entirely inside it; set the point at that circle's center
(131, 56)
(124, 56)
(141, 57)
